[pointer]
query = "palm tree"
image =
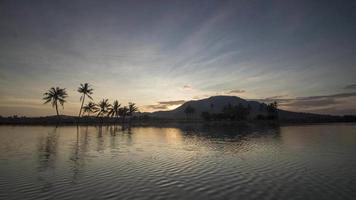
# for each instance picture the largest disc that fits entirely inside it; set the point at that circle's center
(90, 108)
(132, 108)
(114, 109)
(104, 106)
(55, 95)
(123, 111)
(85, 90)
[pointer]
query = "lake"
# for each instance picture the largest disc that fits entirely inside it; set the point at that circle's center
(187, 162)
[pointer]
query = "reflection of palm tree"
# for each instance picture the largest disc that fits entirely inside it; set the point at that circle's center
(104, 106)
(90, 108)
(75, 157)
(114, 110)
(48, 150)
(47, 157)
(113, 130)
(55, 95)
(86, 91)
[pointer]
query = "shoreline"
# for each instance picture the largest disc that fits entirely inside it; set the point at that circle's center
(137, 121)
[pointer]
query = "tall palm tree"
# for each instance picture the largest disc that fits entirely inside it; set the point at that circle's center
(90, 108)
(114, 109)
(85, 90)
(103, 107)
(55, 95)
(132, 108)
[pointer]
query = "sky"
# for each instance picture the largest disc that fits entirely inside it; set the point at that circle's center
(160, 54)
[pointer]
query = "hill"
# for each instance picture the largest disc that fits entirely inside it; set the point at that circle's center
(215, 104)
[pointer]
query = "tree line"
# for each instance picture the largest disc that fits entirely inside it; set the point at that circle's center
(235, 112)
(57, 95)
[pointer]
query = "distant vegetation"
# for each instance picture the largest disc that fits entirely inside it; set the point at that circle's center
(240, 113)
(101, 109)
(272, 112)
(214, 110)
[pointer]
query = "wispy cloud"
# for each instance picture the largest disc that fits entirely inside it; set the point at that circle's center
(201, 96)
(331, 96)
(156, 107)
(332, 103)
(187, 88)
(164, 105)
(237, 91)
(350, 87)
(171, 103)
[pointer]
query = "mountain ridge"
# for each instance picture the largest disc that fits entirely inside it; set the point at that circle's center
(215, 104)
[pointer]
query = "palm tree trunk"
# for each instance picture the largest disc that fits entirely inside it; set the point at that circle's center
(57, 109)
(81, 107)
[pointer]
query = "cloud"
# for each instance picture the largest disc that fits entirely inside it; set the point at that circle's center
(237, 91)
(164, 105)
(171, 103)
(339, 95)
(157, 107)
(310, 103)
(306, 98)
(187, 87)
(322, 104)
(201, 96)
(350, 87)
(277, 97)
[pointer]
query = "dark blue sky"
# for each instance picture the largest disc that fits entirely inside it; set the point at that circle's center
(161, 53)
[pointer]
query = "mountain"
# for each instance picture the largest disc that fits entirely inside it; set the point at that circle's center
(215, 104)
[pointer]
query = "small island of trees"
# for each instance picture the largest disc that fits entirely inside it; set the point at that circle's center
(102, 109)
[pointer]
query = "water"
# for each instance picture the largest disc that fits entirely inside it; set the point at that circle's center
(191, 162)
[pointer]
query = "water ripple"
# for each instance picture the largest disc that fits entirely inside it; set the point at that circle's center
(173, 163)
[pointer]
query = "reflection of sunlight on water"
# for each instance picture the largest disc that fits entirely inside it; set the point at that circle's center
(183, 162)
(163, 135)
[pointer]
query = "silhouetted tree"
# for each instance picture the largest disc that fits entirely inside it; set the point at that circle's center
(85, 90)
(228, 111)
(104, 107)
(90, 108)
(242, 112)
(55, 95)
(238, 112)
(114, 109)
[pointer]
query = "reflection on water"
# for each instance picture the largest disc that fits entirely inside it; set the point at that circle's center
(188, 162)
